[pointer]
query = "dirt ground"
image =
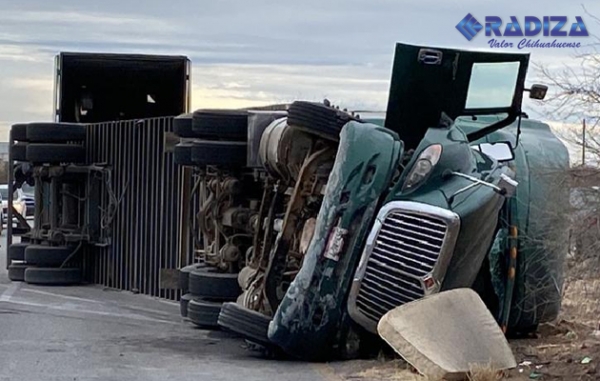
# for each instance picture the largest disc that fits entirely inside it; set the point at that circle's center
(566, 350)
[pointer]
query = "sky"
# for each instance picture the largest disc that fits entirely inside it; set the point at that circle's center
(247, 53)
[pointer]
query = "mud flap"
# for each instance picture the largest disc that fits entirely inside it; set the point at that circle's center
(307, 320)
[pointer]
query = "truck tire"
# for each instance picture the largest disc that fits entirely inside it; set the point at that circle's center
(184, 276)
(183, 154)
(16, 251)
(19, 132)
(55, 153)
(182, 127)
(204, 313)
(520, 331)
(485, 289)
(210, 284)
(225, 154)
(19, 151)
(55, 132)
(16, 271)
(245, 322)
(53, 276)
(183, 304)
(47, 256)
(318, 119)
(221, 124)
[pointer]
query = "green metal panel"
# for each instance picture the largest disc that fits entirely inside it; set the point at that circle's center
(309, 317)
(541, 161)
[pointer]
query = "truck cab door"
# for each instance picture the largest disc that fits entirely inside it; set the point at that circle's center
(429, 82)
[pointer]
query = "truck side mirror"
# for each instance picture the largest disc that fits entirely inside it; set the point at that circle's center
(500, 151)
(538, 92)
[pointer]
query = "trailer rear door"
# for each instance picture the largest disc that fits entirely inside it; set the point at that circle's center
(92, 88)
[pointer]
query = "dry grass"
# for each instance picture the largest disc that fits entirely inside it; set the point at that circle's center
(398, 370)
(395, 370)
(582, 301)
(581, 290)
(484, 373)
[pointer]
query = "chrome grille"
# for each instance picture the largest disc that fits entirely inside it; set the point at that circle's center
(405, 246)
(402, 241)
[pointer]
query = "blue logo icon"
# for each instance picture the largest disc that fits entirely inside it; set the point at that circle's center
(469, 27)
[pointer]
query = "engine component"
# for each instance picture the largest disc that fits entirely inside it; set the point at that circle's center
(258, 121)
(293, 216)
(283, 150)
(307, 233)
(278, 225)
(245, 276)
(238, 218)
(227, 218)
(230, 253)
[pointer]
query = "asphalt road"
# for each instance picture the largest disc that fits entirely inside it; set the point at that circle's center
(91, 333)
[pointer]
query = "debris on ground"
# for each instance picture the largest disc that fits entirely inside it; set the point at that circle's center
(549, 355)
(554, 354)
(445, 335)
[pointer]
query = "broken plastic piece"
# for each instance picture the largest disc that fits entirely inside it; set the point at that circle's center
(445, 334)
(586, 360)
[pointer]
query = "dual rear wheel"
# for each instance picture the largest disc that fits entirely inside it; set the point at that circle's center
(49, 143)
(43, 265)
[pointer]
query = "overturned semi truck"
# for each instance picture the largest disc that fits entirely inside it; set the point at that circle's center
(315, 221)
(306, 223)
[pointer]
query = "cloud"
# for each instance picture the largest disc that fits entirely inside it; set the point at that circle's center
(355, 87)
(245, 53)
(30, 100)
(18, 53)
(71, 17)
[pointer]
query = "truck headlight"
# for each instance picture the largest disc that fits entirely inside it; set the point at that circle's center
(428, 158)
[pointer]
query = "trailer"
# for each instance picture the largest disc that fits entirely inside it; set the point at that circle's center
(76, 188)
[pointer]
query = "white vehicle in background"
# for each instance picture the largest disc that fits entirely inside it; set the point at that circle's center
(1, 214)
(29, 198)
(18, 202)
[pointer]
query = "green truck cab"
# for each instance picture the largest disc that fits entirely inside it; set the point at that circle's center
(445, 193)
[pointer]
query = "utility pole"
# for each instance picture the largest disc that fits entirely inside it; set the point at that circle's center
(583, 146)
